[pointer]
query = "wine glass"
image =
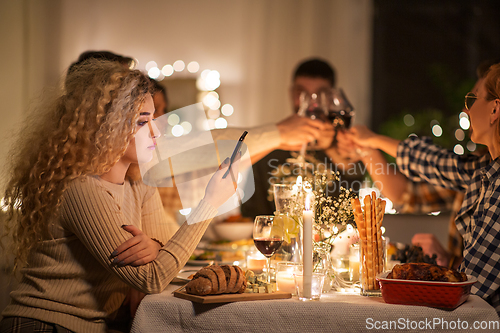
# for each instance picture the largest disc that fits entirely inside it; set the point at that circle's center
(314, 106)
(340, 110)
(267, 237)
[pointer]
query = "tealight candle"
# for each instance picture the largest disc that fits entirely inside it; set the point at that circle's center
(284, 276)
(285, 282)
(256, 264)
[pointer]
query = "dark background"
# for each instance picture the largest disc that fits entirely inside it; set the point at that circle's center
(425, 54)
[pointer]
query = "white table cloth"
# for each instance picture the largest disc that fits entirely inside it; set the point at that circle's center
(335, 312)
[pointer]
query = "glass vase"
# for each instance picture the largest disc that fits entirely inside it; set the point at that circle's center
(322, 263)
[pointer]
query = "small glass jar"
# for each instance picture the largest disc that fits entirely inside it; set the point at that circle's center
(322, 264)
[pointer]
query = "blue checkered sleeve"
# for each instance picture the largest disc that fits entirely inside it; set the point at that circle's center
(421, 160)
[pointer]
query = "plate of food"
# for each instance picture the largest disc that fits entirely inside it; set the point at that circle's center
(208, 257)
(425, 285)
(186, 275)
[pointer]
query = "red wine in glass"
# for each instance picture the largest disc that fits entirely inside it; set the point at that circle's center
(341, 119)
(268, 246)
(267, 237)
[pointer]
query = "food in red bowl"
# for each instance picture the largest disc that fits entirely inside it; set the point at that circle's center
(436, 294)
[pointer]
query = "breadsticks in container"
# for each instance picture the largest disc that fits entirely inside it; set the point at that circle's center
(372, 250)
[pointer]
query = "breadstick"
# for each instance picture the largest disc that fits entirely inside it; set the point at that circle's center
(380, 217)
(369, 241)
(361, 224)
(359, 218)
(375, 240)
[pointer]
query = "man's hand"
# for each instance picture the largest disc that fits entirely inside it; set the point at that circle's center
(296, 131)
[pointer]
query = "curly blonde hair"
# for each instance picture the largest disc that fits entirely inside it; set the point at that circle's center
(85, 132)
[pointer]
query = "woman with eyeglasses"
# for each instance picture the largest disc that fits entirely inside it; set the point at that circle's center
(71, 207)
(479, 176)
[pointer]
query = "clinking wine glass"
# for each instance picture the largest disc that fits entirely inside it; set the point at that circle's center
(267, 237)
(314, 106)
(340, 110)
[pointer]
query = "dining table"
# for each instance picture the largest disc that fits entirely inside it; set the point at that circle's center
(334, 312)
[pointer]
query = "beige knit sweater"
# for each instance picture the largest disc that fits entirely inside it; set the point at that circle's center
(70, 279)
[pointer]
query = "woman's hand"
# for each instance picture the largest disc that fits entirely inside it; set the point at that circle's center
(365, 138)
(138, 250)
(361, 136)
(430, 245)
(219, 189)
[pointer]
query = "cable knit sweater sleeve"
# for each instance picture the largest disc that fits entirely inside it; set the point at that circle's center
(94, 216)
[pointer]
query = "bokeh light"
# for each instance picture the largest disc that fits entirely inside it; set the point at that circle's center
(154, 72)
(220, 123)
(193, 67)
(186, 126)
(227, 110)
(179, 66)
(437, 130)
(460, 134)
(471, 146)
(464, 123)
(173, 119)
(409, 120)
(167, 70)
(177, 130)
(458, 149)
(150, 65)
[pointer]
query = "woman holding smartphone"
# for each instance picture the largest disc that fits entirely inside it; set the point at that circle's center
(72, 207)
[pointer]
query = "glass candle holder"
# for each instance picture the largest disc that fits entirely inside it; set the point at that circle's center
(256, 261)
(317, 281)
(354, 263)
(284, 276)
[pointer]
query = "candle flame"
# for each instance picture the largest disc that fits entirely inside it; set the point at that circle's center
(299, 181)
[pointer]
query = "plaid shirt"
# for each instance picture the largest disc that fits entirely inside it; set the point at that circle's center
(479, 217)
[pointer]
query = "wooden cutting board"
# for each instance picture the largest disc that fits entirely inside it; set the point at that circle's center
(228, 298)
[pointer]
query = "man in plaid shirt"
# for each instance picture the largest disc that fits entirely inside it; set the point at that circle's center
(479, 176)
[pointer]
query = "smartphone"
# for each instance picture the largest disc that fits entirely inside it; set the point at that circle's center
(235, 151)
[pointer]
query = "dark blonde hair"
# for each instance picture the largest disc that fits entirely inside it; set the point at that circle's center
(85, 132)
(492, 82)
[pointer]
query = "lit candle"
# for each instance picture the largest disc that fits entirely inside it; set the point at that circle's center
(308, 247)
(285, 282)
(256, 264)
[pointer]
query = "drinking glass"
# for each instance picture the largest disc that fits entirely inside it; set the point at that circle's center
(267, 238)
(285, 198)
(340, 110)
(314, 106)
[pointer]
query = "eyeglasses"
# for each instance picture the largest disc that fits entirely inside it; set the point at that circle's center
(470, 98)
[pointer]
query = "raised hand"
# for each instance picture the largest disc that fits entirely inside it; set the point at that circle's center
(219, 189)
(138, 250)
(365, 138)
(295, 131)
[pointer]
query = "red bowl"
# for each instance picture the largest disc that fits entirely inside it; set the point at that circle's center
(436, 294)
